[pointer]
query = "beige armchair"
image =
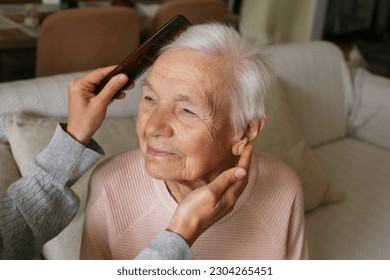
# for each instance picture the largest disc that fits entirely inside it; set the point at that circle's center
(86, 38)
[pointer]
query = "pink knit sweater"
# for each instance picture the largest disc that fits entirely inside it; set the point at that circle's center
(127, 208)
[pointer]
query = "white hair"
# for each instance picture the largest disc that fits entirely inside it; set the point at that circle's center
(246, 59)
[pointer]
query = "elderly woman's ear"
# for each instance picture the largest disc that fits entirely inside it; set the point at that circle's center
(247, 136)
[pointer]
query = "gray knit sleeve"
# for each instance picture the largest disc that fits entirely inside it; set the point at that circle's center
(40, 205)
(166, 246)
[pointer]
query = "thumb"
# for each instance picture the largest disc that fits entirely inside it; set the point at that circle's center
(226, 179)
(112, 87)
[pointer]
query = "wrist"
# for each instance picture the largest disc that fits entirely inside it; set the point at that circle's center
(79, 136)
(186, 230)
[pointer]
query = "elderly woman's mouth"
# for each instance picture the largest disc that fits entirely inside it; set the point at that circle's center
(157, 152)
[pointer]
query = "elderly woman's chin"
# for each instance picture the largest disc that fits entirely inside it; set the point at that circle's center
(162, 168)
(159, 172)
(192, 171)
(168, 172)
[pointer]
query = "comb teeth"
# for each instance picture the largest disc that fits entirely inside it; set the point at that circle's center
(134, 77)
(137, 63)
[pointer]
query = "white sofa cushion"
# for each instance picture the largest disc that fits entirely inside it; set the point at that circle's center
(282, 138)
(318, 84)
(370, 119)
(358, 227)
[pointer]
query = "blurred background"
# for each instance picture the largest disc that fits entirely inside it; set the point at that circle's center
(361, 28)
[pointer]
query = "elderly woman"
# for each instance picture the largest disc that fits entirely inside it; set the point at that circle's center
(202, 104)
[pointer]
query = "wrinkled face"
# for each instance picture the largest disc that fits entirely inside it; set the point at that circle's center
(184, 123)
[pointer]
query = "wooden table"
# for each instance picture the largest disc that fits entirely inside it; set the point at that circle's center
(18, 42)
(17, 55)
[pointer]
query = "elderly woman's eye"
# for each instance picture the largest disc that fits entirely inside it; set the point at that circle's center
(148, 98)
(189, 112)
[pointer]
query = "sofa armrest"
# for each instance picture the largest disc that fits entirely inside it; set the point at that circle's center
(48, 96)
(370, 117)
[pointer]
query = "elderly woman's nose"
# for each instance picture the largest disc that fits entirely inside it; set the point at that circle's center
(158, 124)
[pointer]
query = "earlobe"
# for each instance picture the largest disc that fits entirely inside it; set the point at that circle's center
(239, 146)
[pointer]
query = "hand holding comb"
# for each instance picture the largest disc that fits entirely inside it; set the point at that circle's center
(142, 58)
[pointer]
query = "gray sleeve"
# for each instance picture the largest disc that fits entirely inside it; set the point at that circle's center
(166, 246)
(40, 205)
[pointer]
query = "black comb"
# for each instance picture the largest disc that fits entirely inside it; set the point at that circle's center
(142, 58)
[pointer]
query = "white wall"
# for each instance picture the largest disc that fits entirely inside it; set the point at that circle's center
(285, 20)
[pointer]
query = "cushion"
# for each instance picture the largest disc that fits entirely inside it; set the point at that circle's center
(9, 172)
(318, 88)
(371, 112)
(357, 228)
(282, 138)
(29, 134)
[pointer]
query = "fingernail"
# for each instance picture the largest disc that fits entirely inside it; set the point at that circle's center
(122, 78)
(240, 173)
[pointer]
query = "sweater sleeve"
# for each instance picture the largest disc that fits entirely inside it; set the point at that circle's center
(166, 246)
(40, 205)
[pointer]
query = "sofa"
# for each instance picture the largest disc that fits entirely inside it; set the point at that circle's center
(330, 125)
